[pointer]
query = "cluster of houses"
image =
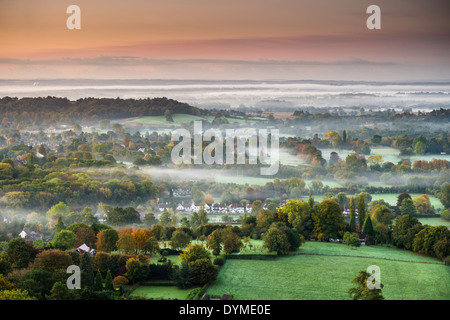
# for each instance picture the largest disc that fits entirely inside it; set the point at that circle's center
(215, 208)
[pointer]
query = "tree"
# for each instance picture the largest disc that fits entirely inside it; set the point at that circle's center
(168, 115)
(98, 286)
(231, 241)
(328, 220)
(362, 291)
(374, 160)
(85, 236)
(151, 246)
(134, 269)
(141, 236)
(165, 218)
(333, 137)
(182, 276)
(64, 240)
(383, 215)
(352, 215)
(52, 260)
(265, 218)
(18, 253)
(106, 240)
(37, 282)
(180, 239)
(316, 186)
(423, 205)
(368, 229)
(109, 281)
(58, 210)
(400, 199)
(256, 206)
(87, 272)
(408, 208)
(202, 215)
(202, 271)
(444, 196)
(361, 211)
(404, 230)
(15, 294)
(59, 226)
(149, 219)
(194, 251)
(420, 147)
(16, 199)
(59, 291)
(293, 213)
(214, 242)
(117, 216)
(275, 239)
(126, 243)
(430, 238)
(351, 240)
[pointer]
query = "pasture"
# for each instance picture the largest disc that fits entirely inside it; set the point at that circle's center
(179, 118)
(324, 271)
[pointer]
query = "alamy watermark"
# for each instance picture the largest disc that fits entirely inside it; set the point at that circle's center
(241, 145)
(374, 281)
(74, 281)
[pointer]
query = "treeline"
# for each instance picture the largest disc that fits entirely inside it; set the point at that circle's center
(87, 109)
(29, 187)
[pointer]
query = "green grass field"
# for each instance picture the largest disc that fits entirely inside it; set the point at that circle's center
(324, 271)
(435, 222)
(159, 292)
(391, 198)
(389, 155)
(179, 118)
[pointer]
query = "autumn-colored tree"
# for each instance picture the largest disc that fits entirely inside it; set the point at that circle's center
(85, 236)
(423, 205)
(106, 240)
(126, 243)
(231, 241)
(52, 260)
(119, 281)
(209, 199)
(141, 236)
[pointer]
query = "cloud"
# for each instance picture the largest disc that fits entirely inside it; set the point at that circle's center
(138, 61)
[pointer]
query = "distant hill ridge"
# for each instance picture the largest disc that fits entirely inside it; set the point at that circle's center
(104, 108)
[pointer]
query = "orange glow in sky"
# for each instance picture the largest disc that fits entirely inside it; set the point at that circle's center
(319, 34)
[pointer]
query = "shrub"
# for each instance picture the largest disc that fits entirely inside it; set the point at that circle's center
(447, 261)
(52, 260)
(120, 280)
(202, 271)
(219, 261)
(195, 294)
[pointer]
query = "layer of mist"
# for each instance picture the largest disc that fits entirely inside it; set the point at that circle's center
(267, 95)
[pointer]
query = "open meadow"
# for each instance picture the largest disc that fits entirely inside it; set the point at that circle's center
(324, 271)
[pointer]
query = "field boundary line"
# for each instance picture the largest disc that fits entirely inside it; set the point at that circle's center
(352, 256)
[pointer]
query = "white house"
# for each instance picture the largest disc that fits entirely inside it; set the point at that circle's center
(84, 248)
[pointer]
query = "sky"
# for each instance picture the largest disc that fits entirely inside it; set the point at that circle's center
(230, 40)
